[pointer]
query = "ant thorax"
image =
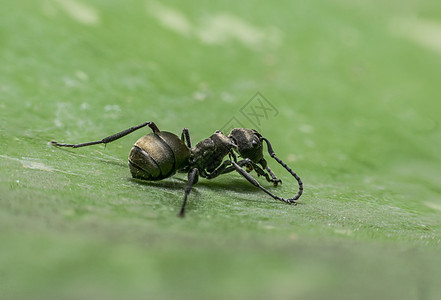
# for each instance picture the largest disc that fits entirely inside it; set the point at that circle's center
(209, 153)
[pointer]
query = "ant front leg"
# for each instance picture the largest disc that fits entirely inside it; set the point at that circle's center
(270, 176)
(275, 180)
(111, 138)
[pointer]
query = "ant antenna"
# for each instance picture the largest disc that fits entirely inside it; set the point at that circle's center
(273, 155)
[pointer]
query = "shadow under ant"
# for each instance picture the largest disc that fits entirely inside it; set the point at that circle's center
(179, 184)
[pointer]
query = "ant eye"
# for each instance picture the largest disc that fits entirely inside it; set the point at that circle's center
(255, 143)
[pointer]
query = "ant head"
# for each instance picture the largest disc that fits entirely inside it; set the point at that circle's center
(248, 143)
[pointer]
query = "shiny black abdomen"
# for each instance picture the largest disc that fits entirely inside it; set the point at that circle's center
(157, 156)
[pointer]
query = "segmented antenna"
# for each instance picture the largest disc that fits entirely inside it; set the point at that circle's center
(300, 192)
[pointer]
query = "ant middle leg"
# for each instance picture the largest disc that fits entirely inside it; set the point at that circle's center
(192, 180)
(185, 137)
(225, 168)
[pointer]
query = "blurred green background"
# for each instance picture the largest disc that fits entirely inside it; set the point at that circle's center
(356, 85)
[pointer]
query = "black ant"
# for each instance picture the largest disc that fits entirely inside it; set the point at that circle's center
(160, 154)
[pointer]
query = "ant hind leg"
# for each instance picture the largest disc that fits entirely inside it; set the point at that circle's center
(111, 138)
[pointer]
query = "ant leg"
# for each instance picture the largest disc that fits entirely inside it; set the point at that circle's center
(264, 165)
(257, 184)
(261, 172)
(185, 137)
(225, 168)
(111, 138)
(220, 170)
(275, 180)
(192, 179)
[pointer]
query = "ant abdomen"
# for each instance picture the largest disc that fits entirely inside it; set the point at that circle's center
(157, 156)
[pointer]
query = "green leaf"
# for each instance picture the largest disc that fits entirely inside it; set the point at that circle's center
(350, 91)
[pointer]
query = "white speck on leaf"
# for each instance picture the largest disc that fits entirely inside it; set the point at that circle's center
(112, 108)
(426, 33)
(217, 29)
(81, 12)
